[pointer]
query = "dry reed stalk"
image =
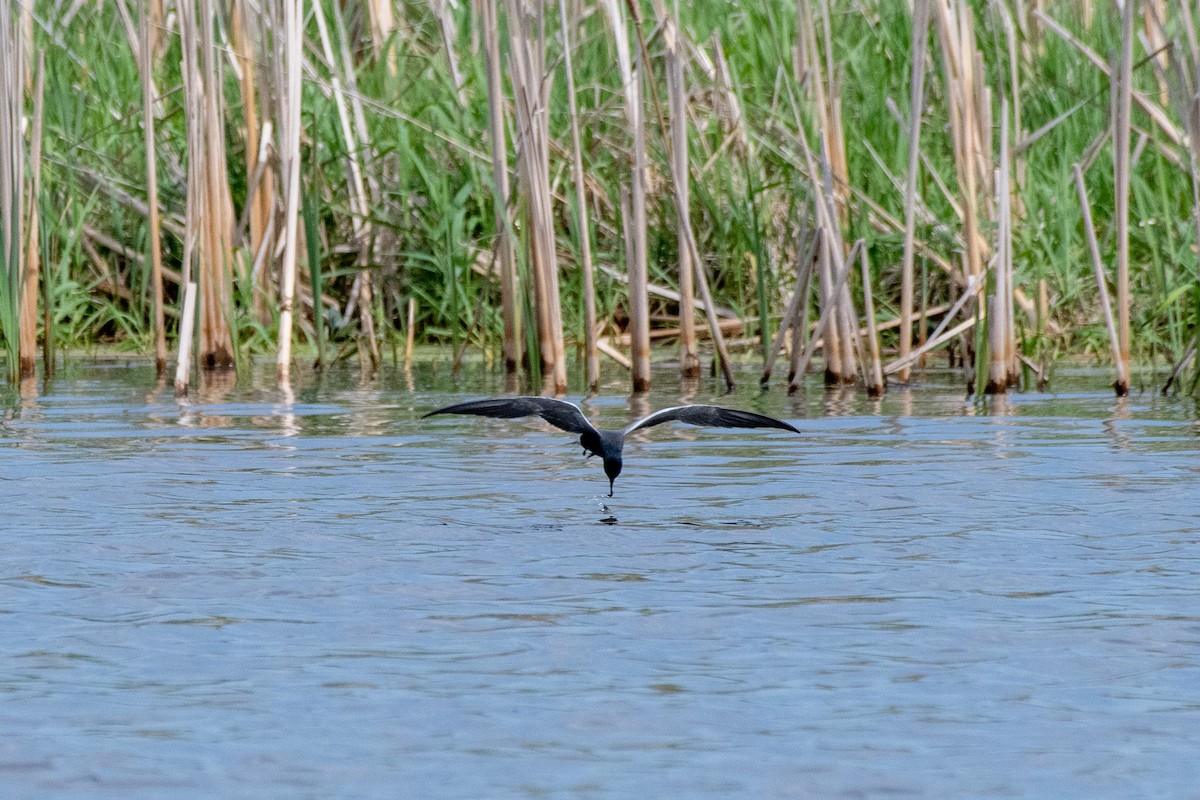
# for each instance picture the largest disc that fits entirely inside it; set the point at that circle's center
(290, 99)
(875, 384)
(838, 346)
(187, 325)
(1189, 353)
(383, 23)
(832, 132)
(920, 33)
(718, 72)
(832, 184)
(12, 181)
(1122, 118)
(971, 292)
(726, 104)
(999, 355)
(689, 362)
(591, 358)
(410, 331)
(728, 326)
(710, 312)
(1189, 109)
(1089, 233)
(790, 319)
(800, 324)
(29, 283)
(956, 33)
(154, 218)
(209, 203)
(636, 267)
(830, 307)
(216, 293)
(936, 341)
(1155, 40)
(823, 328)
(354, 135)
(244, 32)
(449, 32)
(531, 89)
(639, 301)
(509, 282)
(616, 355)
(666, 292)
(1006, 196)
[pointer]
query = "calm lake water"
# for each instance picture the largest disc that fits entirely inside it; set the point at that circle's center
(246, 597)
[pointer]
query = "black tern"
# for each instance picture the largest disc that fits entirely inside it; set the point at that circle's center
(608, 444)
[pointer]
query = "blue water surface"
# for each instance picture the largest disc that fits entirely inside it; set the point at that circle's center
(251, 594)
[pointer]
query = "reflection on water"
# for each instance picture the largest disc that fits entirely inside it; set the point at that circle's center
(249, 595)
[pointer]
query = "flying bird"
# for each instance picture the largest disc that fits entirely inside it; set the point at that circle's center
(605, 443)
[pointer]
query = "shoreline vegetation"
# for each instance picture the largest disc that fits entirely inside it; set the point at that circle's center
(562, 182)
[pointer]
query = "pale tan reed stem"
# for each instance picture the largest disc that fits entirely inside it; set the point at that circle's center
(293, 14)
(1122, 118)
(920, 34)
(591, 358)
(509, 283)
(29, 284)
(146, 63)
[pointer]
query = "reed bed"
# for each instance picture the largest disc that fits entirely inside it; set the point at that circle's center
(868, 181)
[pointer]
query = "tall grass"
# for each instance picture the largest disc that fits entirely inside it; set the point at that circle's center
(410, 185)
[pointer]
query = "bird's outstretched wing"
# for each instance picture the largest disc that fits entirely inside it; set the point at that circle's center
(558, 413)
(712, 416)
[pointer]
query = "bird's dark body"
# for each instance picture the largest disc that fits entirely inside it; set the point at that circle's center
(607, 444)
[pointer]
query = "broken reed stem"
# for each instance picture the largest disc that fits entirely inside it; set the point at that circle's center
(714, 325)
(920, 33)
(591, 358)
(1089, 234)
(689, 362)
(790, 315)
(509, 286)
(838, 351)
(875, 385)
(823, 326)
(29, 284)
(1122, 117)
(800, 324)
(293, 11)
(934, 339)
(186, 326)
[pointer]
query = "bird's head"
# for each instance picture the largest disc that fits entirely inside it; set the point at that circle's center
(612, 468)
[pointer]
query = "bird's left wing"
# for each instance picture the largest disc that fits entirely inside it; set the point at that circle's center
(558, 413)
(711, 416)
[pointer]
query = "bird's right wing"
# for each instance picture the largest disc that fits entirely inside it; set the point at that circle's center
(710, 416)
(558, 413)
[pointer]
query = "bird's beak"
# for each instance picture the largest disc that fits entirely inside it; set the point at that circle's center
(610, 486)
